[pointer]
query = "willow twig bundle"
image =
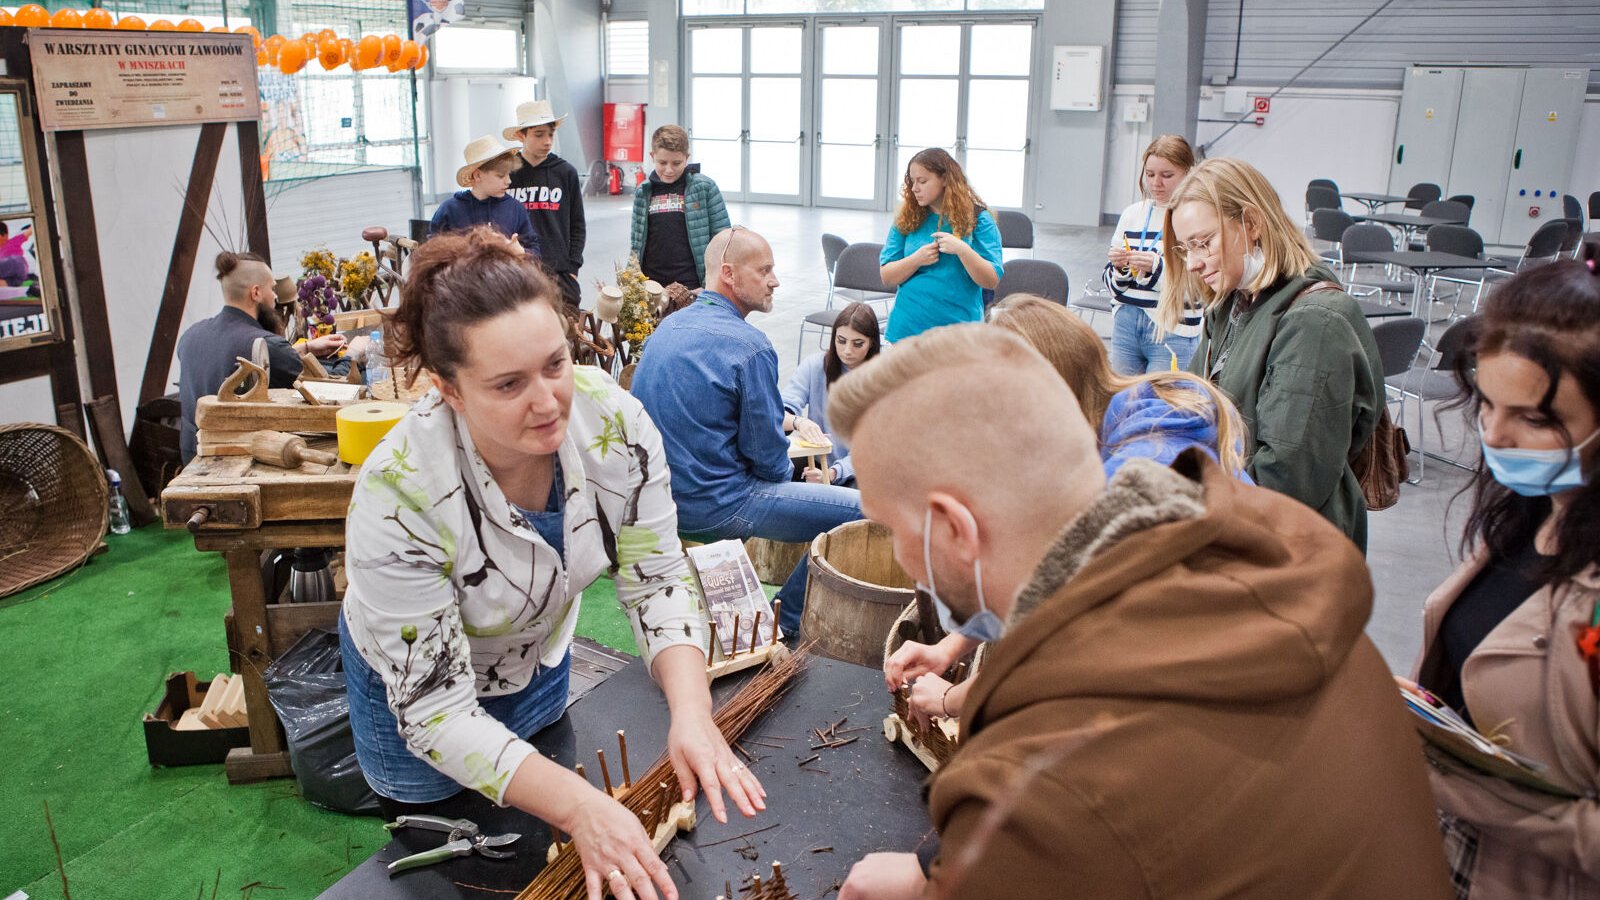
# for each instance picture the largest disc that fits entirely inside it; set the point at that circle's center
(652, 795)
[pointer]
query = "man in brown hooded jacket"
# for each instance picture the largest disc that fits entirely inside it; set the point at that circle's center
(1183, 703)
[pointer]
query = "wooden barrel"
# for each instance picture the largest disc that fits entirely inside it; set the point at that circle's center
(854, 592)
(775, 560)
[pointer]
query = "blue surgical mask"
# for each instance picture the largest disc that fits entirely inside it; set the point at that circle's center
(1536, 473)
(983, 625)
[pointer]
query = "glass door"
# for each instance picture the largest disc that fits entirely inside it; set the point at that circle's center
(964, 87)
(848, 120)
(746, 96)
(928, 96)
(996, 134)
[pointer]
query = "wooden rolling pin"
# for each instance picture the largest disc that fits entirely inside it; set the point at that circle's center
(289, 451)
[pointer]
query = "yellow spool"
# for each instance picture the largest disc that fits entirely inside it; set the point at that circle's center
(362, 425)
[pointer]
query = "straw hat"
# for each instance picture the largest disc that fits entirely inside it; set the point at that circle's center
(481, 152)
(285, 290)
(534, 112)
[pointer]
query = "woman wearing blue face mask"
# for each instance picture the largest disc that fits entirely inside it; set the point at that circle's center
(1512, 640)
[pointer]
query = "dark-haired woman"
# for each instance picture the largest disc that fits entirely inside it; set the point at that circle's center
(943, 249)
(476, 524)
(853, 340)
(1512, 639)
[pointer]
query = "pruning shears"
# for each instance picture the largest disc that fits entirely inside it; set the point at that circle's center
(464, 839)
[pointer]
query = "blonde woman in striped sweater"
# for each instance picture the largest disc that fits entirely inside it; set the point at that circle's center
(1133, 269)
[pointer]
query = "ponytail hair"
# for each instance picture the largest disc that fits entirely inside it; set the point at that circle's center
(454, 281)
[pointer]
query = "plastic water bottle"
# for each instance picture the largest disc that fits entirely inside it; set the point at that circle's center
(119, 506)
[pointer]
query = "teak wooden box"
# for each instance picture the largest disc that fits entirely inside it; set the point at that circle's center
(167, 746)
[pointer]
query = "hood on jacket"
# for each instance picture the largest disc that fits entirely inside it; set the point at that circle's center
(1181, 583)
(1138, 424)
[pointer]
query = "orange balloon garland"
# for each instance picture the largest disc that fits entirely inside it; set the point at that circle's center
(31, 16)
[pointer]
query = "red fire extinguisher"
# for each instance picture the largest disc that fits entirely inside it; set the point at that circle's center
(613, 179)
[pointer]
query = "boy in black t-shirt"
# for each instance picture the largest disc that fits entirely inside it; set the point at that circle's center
(548, 188)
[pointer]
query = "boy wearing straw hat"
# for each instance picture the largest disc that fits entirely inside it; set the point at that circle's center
(486, 178)
(547, 186)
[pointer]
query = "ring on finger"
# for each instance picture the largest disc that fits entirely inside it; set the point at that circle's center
(615, 873)
(736, 767)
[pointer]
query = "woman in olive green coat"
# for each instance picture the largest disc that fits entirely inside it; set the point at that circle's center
(1280, 338)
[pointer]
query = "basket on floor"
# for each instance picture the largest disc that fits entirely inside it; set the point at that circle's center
(53, 503)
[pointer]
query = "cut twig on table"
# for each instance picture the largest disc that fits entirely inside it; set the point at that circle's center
(739, 837)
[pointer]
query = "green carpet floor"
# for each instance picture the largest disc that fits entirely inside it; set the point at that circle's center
(84, 658)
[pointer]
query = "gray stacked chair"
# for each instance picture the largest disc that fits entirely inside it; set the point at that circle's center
(1399, 341)
(832, 246)
(1367, 237)
(1466, 200)
(1544, 246)
(1462, 241)
(1324, 182)
(1442, 209)
(1572, 208)
(1034, 276)
(1327, 230)
(1320, 196)
(1421, 194)
(854, 269)
(1016, 229)
(1594, 208)
(1573, 240)
(1429, 384)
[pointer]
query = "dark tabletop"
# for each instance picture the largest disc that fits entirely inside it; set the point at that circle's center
(1421, 260)
(1375, 198)
(1408, 221)
(867, 796)
(1373, 310)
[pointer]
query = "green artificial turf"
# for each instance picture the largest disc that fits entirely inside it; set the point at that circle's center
(85, 656)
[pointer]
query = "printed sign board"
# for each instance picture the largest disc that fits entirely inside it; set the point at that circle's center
(91, 79)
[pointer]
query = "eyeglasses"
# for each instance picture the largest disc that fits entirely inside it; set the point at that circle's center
(1200, 249)
(734, 229)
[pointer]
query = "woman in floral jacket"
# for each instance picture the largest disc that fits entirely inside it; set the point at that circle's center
(476, 524)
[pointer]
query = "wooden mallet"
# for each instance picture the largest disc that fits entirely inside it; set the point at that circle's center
(288, 451)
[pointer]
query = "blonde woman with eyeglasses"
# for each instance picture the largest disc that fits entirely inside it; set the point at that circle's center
(1280, 337)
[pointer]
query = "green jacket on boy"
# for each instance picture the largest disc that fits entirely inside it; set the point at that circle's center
(703, 211)
(1305, 372)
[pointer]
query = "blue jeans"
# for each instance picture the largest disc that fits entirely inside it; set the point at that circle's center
(790, 512)
(1134, 348)
(390, 767)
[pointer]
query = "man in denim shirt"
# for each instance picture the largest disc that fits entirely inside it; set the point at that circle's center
(709, 381)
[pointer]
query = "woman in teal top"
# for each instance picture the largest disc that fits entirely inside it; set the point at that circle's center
(943, 250)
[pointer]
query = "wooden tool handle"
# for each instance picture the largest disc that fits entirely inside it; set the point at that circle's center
(286, 450)
(201, 516)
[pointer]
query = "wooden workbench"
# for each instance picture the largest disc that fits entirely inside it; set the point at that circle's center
(253, 508)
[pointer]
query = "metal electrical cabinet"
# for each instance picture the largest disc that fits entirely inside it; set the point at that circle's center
(1505, 135)
(1425, 133)
(1547, 140)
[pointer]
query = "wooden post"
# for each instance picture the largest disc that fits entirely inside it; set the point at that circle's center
(777, 613)
(77, 210)
(266, 757)
(255, 200)
(622, 749)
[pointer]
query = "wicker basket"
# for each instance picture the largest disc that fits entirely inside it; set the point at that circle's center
(53, 503)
